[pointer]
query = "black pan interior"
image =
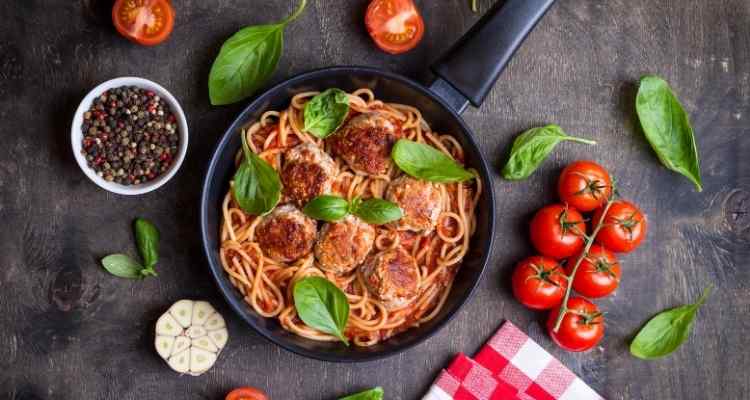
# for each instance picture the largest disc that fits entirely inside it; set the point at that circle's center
(388, 87)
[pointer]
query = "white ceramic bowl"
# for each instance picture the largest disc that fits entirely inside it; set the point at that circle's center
(76, 135)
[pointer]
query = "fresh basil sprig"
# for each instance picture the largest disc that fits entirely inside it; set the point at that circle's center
(246, 60)
(532, 147)
(426, 162)
(334, 208)
(326, 112)
(667, 128)
(375, 393)
(257, 186)
(147, 239)
(665, 332)
(327, 208)
(322, 306)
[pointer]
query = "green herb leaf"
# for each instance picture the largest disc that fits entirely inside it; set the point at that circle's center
(532, 147)
(378, 211)
(327, 208)
(147, 239)
(257, 186)
(371, 394)
(667, 128)
(326, 112)
(322, 305)
(426, 162)
(247, 60)
(122, 266)
(665, 332)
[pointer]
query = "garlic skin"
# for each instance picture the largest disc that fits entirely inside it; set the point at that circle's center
(190, 336)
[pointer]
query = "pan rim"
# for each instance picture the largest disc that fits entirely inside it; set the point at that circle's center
(217, 271)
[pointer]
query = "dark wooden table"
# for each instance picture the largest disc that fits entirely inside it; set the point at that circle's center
(68, 330)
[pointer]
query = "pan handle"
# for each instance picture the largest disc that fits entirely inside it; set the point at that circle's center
(470, 68)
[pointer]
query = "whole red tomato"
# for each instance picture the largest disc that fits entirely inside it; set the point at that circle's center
(539, 283)
(582, 326)
(557, 231)
(584, 185)
(624, 227)
(599, 272)
(246, 393)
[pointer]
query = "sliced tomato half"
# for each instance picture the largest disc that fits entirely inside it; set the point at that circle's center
(395, 25)
(147, 22)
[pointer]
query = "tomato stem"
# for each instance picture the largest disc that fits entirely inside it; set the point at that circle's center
(474, 6)
(589, 242)
(296, 13)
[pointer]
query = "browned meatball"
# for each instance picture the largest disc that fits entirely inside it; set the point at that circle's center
(343, 245)
(365, 143)
(308, 172)
(286, 234)
(392, 276)
(420, 201)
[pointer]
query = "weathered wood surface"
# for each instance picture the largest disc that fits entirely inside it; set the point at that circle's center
(70, 331)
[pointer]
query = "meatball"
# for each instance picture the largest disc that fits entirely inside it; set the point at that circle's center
(308, 172)
(365, 143)
(392, 276)
(420, 201)
(343, 245)
(286, 234)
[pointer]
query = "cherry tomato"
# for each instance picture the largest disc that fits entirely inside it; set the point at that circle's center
(584, 185)
(624, 227)
(394, 25)
(147, 22)
(599, 272)
(246, 393)
(582, 326)
(539, 283)
(557, 231)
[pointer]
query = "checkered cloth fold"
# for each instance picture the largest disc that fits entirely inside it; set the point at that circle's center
(511, 366)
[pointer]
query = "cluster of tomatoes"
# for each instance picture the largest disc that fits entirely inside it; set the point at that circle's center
(564, 240)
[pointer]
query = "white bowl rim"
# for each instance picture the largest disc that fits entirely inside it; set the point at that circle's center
(76, 135)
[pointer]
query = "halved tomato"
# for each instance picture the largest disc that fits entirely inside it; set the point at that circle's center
(147, 22)
(395, 25)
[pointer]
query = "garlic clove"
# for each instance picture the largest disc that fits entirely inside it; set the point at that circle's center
(219, 337)
(180, 362)
(164, 345)
(201, 311)
(201, 360)
(167, 325)
(205, 343)
(181, 343)
(195, 332)
(215, 322)
(182, 311)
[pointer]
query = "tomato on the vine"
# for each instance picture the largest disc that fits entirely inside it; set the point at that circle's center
(584, 185)
(624, 227)
(394, 25)
(582, 326)
(147, 22)
(539, 283)
(246, 393)
(557, 231)
(599, 272)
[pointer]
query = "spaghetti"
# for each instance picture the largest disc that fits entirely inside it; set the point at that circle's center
(266, 284)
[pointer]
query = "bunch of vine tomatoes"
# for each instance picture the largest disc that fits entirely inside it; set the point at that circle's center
(577, 253)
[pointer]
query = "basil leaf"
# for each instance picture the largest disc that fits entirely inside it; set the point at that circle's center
(375, 393)
(378, 211)
(426, 162)
(326, 112)
(322, 305)
(665, 332)
(257, 186)
(327, 208)
(667, 128)
(532, 147)
(246, 60)
(147, 239)
(122, 266)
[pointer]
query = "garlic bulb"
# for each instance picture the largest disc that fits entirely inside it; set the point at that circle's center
(190, 336)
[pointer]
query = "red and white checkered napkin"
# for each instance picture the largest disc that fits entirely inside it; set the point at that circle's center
(510, 366)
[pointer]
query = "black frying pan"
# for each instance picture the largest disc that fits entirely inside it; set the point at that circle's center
(464, 75)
